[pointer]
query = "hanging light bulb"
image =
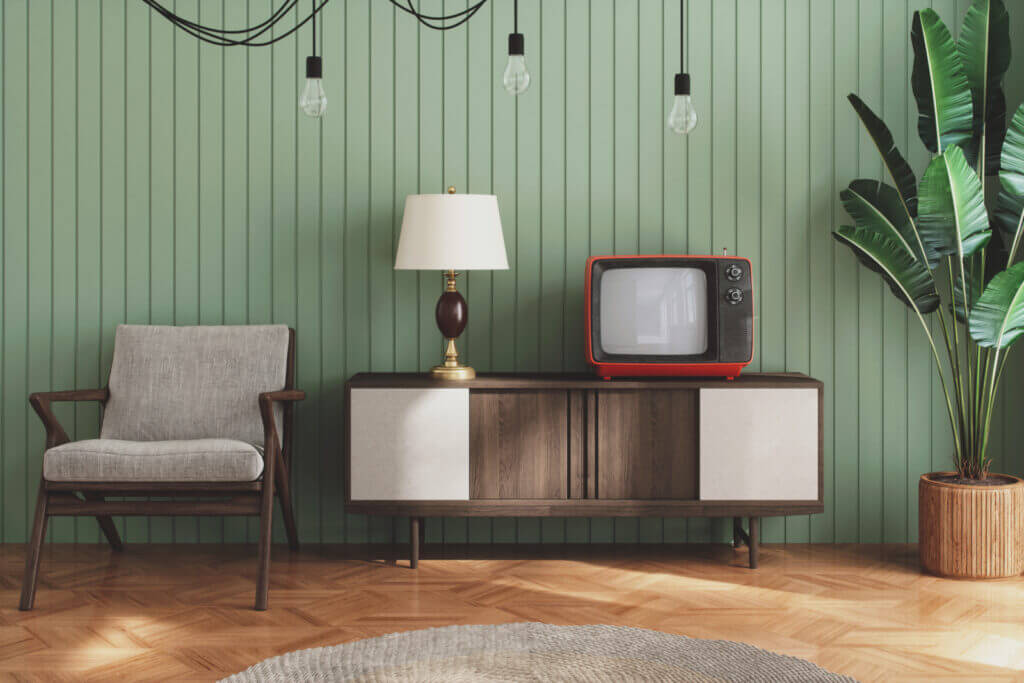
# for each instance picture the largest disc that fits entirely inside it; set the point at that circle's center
(516, 78)
(683, 117)
(314, 100)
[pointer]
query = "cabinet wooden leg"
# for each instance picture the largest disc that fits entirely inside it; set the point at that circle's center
(737, 528)
(755, 540)
(414, 539)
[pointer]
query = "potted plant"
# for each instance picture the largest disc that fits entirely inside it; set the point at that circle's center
(932, 244)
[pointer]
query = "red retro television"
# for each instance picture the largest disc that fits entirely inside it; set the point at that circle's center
(669, 315)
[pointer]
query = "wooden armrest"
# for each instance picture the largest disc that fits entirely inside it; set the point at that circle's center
(267, 399)
(40, 402)
(283, 395)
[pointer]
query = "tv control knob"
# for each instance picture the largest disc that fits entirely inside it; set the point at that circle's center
(733, 295)
(733, 273)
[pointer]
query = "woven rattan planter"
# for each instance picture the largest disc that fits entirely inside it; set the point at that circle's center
(971, 532)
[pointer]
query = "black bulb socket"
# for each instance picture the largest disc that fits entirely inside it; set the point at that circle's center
(682, 84)
(516, 44)
(314, 67)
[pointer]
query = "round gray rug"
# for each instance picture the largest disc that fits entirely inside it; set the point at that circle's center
(536, 652)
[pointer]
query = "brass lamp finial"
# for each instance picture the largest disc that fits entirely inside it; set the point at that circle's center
(451, 189)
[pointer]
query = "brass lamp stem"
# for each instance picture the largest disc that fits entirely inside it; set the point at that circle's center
(452, 314)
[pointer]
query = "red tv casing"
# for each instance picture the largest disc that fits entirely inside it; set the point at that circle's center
(740, 316)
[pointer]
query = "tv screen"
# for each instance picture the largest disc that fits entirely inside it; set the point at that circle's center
(654, 311)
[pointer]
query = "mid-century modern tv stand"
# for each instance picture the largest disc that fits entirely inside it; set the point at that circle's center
(563, 445)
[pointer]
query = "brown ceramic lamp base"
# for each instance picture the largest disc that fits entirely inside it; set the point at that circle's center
(451, 314)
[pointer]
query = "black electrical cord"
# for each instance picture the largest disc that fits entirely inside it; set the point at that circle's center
(285, 6)
(215, 36)
(682, 36)
(463, 15)
(221, 36)
(515, 16)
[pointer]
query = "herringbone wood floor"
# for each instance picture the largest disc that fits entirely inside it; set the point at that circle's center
(183, 612)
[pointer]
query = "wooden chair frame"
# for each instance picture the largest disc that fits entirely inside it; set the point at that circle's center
(83, 498)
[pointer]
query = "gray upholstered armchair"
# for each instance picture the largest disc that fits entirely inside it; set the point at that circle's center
(188, 412)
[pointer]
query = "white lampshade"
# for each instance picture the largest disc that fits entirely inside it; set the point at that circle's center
(451, 232)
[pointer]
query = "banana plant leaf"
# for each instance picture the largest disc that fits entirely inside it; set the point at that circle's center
(1009, 212)
(878, 207)
(945, 111)
(952, 219)
(896, 165)
(908, 278)
(984, 47)
(997, 320)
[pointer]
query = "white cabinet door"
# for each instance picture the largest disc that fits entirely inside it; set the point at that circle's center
(409, 444)
(759, 444)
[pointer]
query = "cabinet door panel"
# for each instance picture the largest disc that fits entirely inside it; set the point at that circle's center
(409, 444)
(759, 444)
(647, 444)
(519, 444)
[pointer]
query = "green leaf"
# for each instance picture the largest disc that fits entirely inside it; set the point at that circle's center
(899, 170)
(907, 277)
(997, 320)
(945, 112)
(1009, 212)
(952, 219)
(984, 48)
(878, 207)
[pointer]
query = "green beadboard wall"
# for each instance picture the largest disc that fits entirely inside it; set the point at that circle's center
(149, 179)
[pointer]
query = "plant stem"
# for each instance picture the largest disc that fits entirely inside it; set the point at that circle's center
(942, 376)
(997, 375)
(954, 358)
(971, 445)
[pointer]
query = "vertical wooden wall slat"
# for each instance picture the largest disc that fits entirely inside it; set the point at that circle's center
(896, 104)
(88, 221)
(824, 98)
(358, 126)
(211, 257)
(40, 232)
(872, 297)
(797, 193)
(771, 261)
(626, 164)
(65, 204)
(602, 161)
(650, 141)
(16, 279)
(113, 257)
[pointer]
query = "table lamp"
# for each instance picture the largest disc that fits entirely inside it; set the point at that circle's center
(451, 232)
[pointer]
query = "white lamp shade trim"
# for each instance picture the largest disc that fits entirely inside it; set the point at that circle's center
(451, 232)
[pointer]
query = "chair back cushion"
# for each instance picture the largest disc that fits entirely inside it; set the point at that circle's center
(175, 383)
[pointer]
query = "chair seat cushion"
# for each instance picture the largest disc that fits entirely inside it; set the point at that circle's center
(116, 460)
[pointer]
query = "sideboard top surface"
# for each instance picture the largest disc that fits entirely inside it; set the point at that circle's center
(750, 380)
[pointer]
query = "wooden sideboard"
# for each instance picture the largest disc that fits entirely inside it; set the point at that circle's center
(536, 445)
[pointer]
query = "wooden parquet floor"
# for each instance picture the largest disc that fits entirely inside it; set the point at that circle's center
(183, 612)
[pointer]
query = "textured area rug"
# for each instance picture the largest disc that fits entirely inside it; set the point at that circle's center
(536, 652)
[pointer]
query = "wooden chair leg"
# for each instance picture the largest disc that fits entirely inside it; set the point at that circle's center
(266, 536)
(107, 525)
(35, 547)
(284, 492)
